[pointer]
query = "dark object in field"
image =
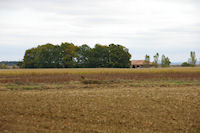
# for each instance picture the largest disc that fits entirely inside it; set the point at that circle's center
(92, 82)
(82, 77)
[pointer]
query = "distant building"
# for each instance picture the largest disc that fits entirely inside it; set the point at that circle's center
(139, 64)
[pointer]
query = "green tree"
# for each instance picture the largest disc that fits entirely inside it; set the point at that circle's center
(185, 64)
(99, 56)
(192, 60)
(57, 57)
(147, 61)
(119, 56)
(44, 57)
(69, 52)
(3, 66)
(84, 53)
(67, 55)
(155, 62)
(29, 58)
(165, 62)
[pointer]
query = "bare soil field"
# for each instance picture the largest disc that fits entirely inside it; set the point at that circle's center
(100, 100)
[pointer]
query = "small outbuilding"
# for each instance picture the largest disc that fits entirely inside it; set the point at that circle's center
(139, 64)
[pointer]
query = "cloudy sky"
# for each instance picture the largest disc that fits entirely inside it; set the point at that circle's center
(170, 27)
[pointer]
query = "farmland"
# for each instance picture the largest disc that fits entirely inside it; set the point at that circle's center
(100, 100)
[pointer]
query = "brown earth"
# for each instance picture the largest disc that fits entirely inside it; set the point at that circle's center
(106, 103)
(61, 78)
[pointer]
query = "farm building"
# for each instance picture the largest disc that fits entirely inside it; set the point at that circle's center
(139, 64)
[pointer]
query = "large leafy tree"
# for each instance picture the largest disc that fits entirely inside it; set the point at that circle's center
(69, 52)
(84, 54)
(44, 57)
(67, 55)
(58, 57)
(29, 58)
(99, 56)
(119, 56)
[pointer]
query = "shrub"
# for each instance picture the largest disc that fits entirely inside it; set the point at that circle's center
(185, 64)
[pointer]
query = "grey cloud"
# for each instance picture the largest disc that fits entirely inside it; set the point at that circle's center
(193, 29)
(141, 26)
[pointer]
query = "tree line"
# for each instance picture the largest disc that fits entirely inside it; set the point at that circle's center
(191, 61)
(68, 55)
(165, 61)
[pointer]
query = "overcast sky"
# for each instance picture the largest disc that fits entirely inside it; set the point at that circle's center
(170, 27)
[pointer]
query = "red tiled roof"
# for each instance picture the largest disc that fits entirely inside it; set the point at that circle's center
(138, 62)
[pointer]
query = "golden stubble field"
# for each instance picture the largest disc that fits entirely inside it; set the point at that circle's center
(100, 100)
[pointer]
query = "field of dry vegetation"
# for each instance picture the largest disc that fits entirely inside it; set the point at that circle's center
(100, 100)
